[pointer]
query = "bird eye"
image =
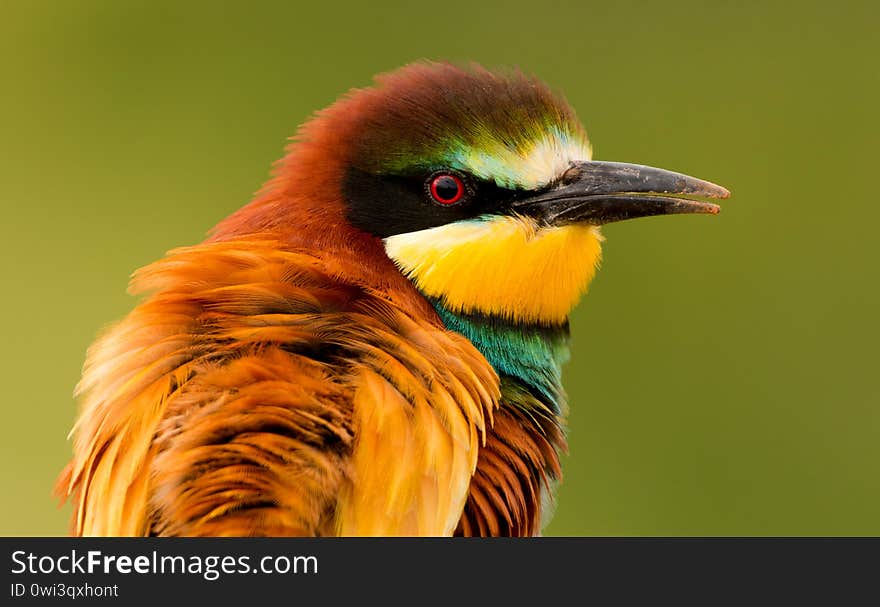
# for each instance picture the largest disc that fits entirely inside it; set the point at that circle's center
(446, 188)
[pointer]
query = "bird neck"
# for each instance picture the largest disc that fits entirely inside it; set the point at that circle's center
(529, 354)
(507, 285)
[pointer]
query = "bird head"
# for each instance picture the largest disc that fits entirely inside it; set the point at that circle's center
(477, 184)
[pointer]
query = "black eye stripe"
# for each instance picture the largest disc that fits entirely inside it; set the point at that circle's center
(387, 204)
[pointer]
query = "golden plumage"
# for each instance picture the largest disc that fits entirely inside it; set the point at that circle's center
(255, 393)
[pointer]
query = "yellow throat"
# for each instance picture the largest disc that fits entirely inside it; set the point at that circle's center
(504, 266)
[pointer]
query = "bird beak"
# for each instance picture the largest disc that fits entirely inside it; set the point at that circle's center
(597, 193)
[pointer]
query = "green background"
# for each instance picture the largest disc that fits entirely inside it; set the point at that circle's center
(724, 377)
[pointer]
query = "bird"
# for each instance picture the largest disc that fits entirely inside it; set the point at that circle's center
(374, 344)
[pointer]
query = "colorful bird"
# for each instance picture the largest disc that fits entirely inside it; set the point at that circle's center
(373, 345)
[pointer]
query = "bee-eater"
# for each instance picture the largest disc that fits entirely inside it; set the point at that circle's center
(374, 344)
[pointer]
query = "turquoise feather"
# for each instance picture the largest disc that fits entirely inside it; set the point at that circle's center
(532, 354)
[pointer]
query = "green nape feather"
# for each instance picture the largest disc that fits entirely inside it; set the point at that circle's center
(532, 354)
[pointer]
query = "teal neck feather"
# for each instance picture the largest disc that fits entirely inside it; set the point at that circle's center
(532, 355)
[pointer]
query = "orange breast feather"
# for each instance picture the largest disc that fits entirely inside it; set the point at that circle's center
(255, 392)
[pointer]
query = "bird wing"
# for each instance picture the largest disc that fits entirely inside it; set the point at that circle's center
(517, 468)
(256, 392)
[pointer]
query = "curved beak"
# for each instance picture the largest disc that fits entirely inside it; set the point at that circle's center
(604, 192)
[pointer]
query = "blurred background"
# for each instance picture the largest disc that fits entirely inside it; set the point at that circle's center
(724, 372)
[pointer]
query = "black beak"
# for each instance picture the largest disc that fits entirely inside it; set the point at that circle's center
(603, 192)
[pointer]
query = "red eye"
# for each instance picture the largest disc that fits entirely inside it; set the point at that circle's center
(446, 188)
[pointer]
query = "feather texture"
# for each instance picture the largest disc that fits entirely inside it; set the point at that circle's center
(255, 393)
(503, 266)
